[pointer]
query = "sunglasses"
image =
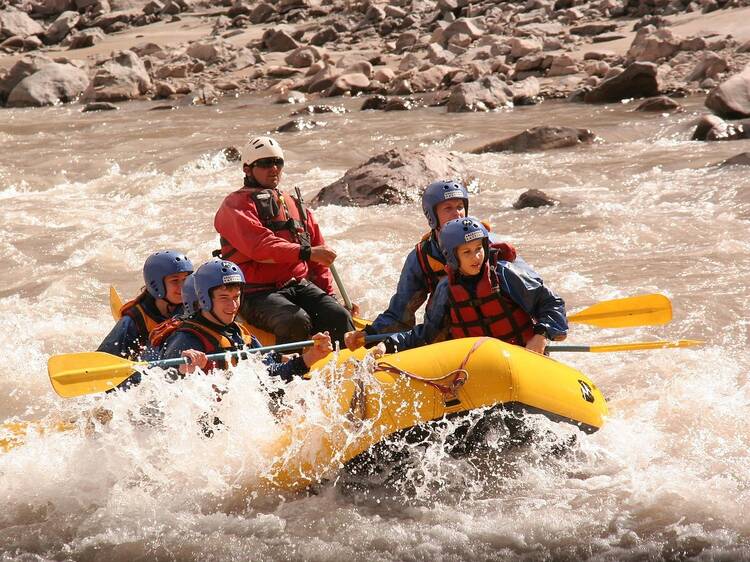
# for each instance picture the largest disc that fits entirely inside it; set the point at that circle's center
(269, 162)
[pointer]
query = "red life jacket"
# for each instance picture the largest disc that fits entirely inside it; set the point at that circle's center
(289, 220)
(491, 312)
(144, 320)
(211, 340)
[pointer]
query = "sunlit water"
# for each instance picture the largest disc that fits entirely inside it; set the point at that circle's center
(84, 198)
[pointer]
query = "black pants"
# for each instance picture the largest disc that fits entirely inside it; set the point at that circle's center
(297, 311)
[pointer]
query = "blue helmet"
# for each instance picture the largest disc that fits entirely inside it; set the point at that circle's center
(215, 273)
(160, 264)
(189, 296)
(457, 232)
(439, 191)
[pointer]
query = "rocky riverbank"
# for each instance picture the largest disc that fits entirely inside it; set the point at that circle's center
(397, 55)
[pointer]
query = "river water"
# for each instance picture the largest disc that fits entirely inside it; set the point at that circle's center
(86, 197)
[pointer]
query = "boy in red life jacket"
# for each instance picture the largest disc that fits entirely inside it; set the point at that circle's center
(212, 329)
(442, 201)
(483, 294)
(279, 247)
(164, 273)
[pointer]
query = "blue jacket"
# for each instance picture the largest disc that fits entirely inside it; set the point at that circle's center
(411, 292)
(518, 281)
(178, 342)
(125, 338)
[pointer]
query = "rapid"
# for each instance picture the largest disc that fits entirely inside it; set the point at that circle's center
(84, 198)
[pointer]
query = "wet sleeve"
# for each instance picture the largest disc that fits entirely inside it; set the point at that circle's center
(428, 331)
(122, 340)
(411, 293)
(527, 289)
(285, 371)
(244, 230)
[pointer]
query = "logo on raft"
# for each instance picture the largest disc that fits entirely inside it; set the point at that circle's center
(586, 392)
(234, 278)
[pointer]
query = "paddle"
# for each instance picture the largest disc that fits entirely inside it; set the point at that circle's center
(340, 285)
(642, 310)
(115, 304)
(638, 346)
(76, 374)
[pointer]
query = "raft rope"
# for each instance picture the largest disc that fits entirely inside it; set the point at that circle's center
(448, 390)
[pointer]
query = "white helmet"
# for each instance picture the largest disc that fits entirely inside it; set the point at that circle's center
(261, 147)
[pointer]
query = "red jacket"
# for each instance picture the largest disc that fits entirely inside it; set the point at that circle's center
(237, 221)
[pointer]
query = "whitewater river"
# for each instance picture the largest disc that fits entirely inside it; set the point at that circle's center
(84, 198)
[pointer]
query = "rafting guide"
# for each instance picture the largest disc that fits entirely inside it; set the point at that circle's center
(277, 243)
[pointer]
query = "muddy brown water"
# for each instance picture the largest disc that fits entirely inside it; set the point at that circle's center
(86, 197)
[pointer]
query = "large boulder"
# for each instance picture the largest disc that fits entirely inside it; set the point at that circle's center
(661, 104)
(651, 44)
(638, 80)
(209, 51)
(303, 57)
(731, 99)
(52, 7)
(483, 95)
(709, 66)
(123, 77)
(540, 138)
(533, 198)
(61, 27)
(53, 83)
(82, 39)
(15, 23)
(393, 177)
(23, 68)
(278, 40)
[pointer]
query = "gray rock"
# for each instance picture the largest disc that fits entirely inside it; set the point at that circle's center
(262, 13)
(660, 104)
(86, 38)
(16, 23)
(742, 159)
(731, 99)
(99, 106)
(483, 95)
(326, 35)
(123, 77)
(651, 44)
(209, 51)
(53, 83)
(303, 57)
(52, 7)
(714, 128)
(61, 27)
(318, 109)
(591, 29)
(297, 125)
(710, 66)
(533, 198)
(279, 41)
(638, 80)
(540, 138)
(354, 83)
(393, 177)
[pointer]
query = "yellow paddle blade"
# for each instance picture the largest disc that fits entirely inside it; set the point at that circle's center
(115, 303)
(643, 310)
(74, 374)
(644, 345)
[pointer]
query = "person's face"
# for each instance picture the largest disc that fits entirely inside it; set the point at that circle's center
(226, 302)
(470, 257)
(267, 171)
(173, 285)
(448, 210)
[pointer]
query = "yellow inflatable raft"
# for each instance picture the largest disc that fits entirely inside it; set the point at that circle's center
(424, 384)
(405, 390)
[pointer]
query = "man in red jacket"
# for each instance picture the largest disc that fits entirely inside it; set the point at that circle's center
(278, 245)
